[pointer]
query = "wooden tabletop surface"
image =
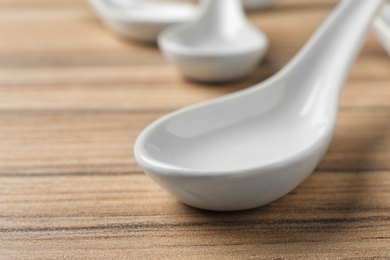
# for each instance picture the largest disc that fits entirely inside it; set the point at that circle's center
(74, 96)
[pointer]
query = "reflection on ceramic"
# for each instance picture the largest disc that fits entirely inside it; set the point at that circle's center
(382, 27)
(220, 45)
(142, 19)
(250, 148)
(252, 5)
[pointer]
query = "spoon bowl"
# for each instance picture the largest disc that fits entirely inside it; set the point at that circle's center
(236, 152)
(142, 20)
(220, 45)
(249, 148)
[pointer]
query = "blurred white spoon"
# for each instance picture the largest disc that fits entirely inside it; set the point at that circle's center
(142, 19)
(247, 149)
(382, 27)
(220, 45)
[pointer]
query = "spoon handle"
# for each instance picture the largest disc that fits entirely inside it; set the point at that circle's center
(330, 52)
(221, 15)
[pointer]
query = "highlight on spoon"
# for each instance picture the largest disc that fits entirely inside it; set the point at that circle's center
(249, 148)
(142, 20)
(382, 27)
(219, 45)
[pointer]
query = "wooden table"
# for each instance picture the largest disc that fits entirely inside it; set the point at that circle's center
(73, 98)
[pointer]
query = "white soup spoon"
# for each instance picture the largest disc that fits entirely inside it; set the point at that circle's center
(250, 148)
(220, 45)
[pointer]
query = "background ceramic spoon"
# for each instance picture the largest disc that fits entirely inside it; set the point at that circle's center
(142, 19)
(247, 149)
(382, 27)
(220, 45)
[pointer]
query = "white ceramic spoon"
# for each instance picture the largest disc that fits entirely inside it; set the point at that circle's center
(220, 45)
(382, 27)
(142, 19)
(250, 148)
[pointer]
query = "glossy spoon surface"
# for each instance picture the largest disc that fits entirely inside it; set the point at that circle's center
(219, 45)
(250, 148)
(143, 20)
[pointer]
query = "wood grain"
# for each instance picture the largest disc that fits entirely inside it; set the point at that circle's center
(73, 98)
